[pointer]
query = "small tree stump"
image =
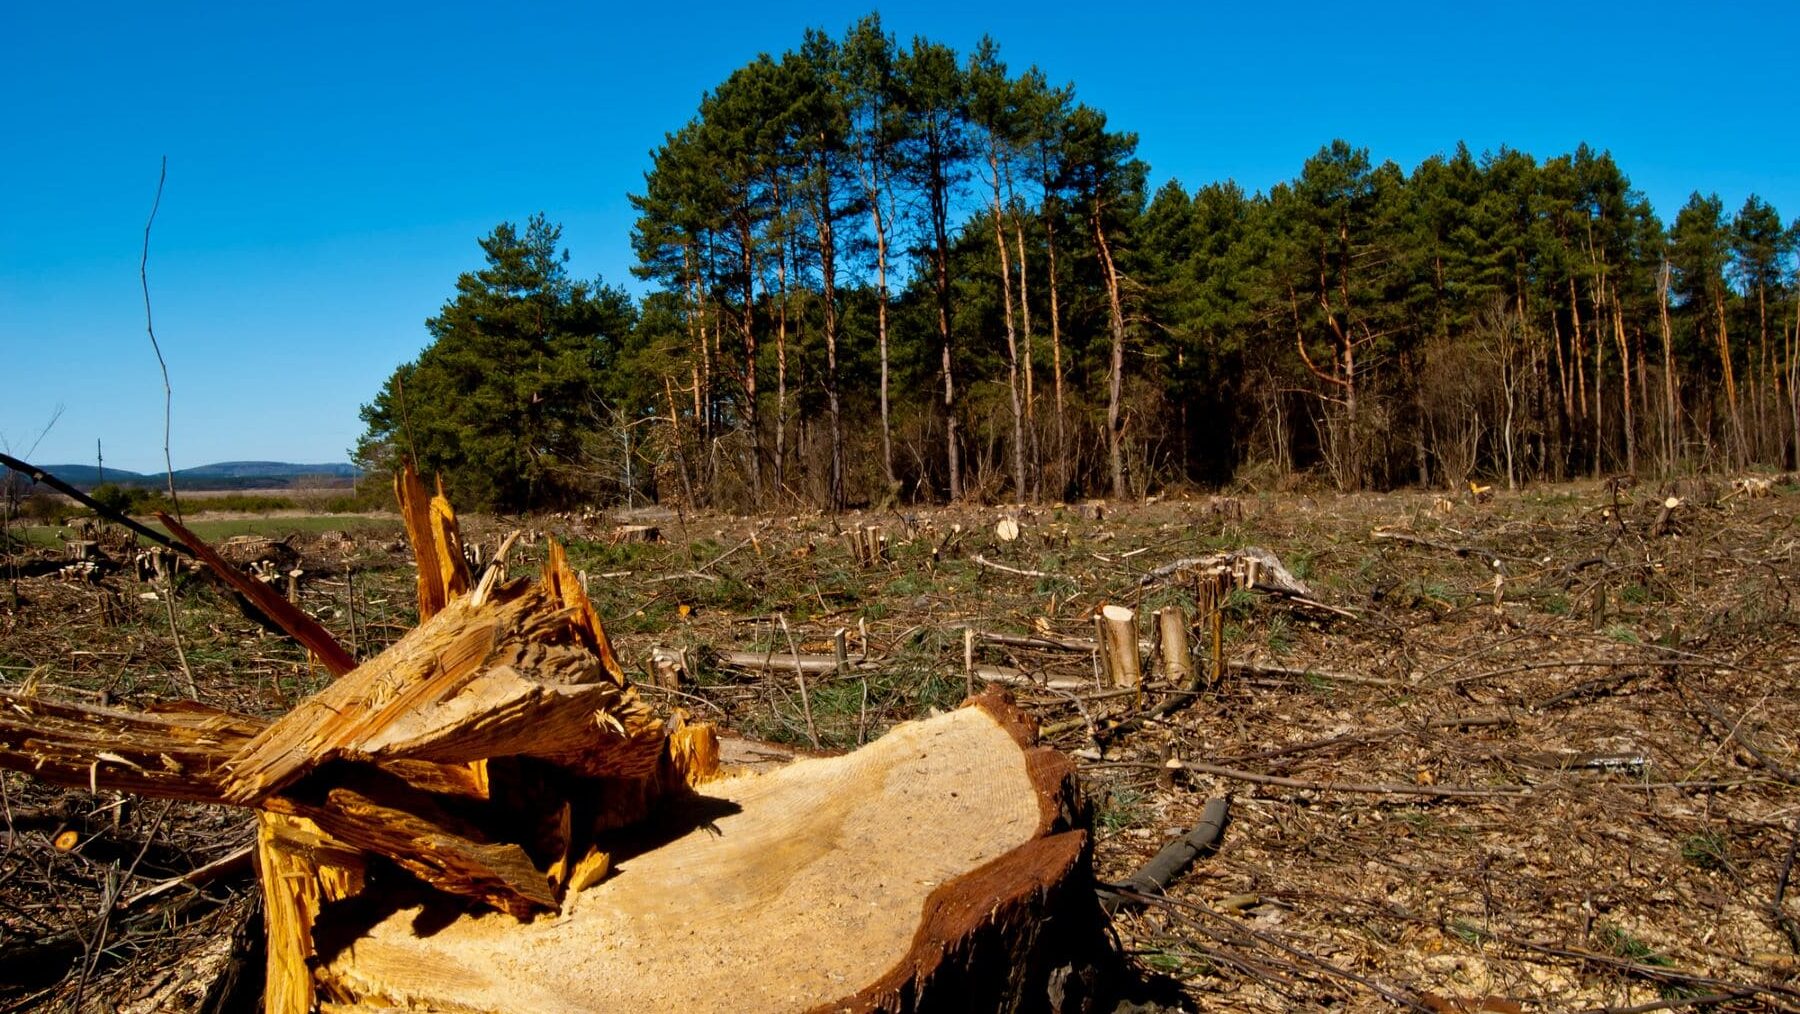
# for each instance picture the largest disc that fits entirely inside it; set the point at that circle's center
(636, 533)
(1116, 630)
(1177, 660)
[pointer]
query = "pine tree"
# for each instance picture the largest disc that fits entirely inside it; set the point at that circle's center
(499, 400)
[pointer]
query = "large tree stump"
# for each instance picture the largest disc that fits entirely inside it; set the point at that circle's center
(942, 866)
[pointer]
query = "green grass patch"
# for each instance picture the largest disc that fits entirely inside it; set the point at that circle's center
(1467, 932)
(1301, 565)
(1239, 604)
(309, 524)
(1620, 943)
(1279, 637)
(912, 684)
(1706, 850)
(1621, 633)
(1121, 807)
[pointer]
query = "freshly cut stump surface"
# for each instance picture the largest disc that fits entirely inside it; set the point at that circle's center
(797, 888)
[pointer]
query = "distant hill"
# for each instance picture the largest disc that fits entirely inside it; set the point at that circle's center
(87, 475)
(219, 475)
(264, 470)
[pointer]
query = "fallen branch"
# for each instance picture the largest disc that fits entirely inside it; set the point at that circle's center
(1155, 876)
(1708, 1000)
(1252, 566)
(1601, 686)
(1044, 642)
(39, 475)
(301, 627)
(232, 863)
(991, 565)
(1238, 926)
(1734, 730)
(1178, 697)
(1658, 973)
(1593, 663)
(768, 662)
(1299, 672)
(1782, 919)
(1384, 789)
(1348, 614)
(1492, 556)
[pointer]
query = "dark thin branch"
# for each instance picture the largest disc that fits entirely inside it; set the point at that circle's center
(39, 475)
(150, 328)
(1388, 992)
(301, 627)
(1657, 973)
(1782, 919)
(1708, 1000)
(109, 899)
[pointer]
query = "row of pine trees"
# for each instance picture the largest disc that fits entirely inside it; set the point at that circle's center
(887, 271)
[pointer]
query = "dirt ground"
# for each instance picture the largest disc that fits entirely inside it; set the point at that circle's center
(1539, 751)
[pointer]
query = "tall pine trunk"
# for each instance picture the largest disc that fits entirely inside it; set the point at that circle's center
(881, 334)
(747, 323)
(1731, 394)
(1671, 405)
(1793, 384)
(1115, 420)
(781, 322)
(1034, 451)
(1618, 316)
(1012, 338)
(938, 198)
(1034, 454)
(828, 286)
(1056, 367)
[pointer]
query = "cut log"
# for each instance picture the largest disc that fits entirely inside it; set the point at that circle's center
(1177, 660)
(1156, 875)
(1665, 518)
(1116, 628)
(942, 866)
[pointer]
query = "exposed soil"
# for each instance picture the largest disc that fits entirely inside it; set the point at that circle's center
(1530, 753)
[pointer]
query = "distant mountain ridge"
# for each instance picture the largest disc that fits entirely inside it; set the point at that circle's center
(218, 475)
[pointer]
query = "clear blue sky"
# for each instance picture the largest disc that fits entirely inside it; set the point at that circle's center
(331, 165)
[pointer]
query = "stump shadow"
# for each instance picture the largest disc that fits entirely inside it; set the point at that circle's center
(340, 924)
